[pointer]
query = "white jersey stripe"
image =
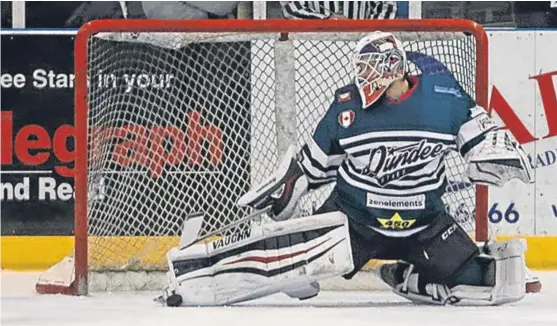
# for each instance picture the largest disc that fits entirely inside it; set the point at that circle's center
(320, 181)
(397, 133)
(315, 170)
(383, 191)
(323, 159)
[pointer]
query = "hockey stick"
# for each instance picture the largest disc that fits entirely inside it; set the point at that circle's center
(192, 226)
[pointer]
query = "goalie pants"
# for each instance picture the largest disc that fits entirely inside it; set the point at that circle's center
(437, 257)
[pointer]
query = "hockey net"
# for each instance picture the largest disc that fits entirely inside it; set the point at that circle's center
(185, 117)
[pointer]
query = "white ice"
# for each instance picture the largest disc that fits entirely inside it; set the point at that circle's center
(20, 306)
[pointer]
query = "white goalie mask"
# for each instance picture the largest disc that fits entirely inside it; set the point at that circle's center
(378, 60)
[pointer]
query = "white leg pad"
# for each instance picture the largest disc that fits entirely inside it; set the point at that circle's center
(306, 291)
(287, 256)
(508, 273)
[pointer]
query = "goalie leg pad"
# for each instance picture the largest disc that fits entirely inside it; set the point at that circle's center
(504, 280)
(507, 271)
(288, 256)
(307, 291)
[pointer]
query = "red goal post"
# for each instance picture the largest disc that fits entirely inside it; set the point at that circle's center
(84, 95)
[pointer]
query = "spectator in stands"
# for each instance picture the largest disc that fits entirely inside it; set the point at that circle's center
(540, 14)
(189, 9)
(339, 9)
(6, 18)
(90, 10)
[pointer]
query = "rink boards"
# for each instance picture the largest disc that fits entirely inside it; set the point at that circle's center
(41, 252)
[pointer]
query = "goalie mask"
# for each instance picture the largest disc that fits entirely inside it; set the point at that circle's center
(378, 60)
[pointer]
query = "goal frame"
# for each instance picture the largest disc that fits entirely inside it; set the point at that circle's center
(80, 285)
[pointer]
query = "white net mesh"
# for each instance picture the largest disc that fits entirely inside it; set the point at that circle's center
(182, 123)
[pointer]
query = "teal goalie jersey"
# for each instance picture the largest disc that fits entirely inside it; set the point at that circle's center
(388, 160)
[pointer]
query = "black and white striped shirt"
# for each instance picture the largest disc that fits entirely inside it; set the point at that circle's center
(349, 9)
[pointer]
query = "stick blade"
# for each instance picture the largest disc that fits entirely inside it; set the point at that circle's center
(190, 229)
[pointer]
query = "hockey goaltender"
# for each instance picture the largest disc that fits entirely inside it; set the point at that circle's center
(383, 141)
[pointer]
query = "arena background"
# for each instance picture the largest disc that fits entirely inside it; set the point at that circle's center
(37, 118)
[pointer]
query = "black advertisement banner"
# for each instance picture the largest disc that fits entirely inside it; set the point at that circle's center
(37, 134)
(169, 134)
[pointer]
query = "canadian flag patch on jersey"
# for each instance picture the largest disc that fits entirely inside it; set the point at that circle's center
(346, 118)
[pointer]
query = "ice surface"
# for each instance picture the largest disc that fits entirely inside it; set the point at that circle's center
(20, 306)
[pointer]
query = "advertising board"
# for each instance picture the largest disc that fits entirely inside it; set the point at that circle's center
(523, 79)
(37, 134)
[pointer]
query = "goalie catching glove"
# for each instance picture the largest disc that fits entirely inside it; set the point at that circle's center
(281, 191)
(498, 159)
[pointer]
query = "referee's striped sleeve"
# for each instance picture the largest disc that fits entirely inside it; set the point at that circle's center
(300, 10)
(381, 9)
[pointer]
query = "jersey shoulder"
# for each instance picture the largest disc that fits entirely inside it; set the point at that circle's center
(347, 97)
(346, 100)
(445, 88)
(447, 96)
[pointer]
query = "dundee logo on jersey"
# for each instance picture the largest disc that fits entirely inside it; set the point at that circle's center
(387, 164)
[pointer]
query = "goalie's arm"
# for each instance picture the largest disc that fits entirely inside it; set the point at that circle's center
(493, 154)
(322, 155)
(314, 165)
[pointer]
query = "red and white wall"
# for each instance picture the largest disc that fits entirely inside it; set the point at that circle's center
(522, 88)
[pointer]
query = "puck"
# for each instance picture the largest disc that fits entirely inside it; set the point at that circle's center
(174, 300)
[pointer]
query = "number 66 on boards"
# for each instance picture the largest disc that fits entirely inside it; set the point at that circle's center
(510, 215)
